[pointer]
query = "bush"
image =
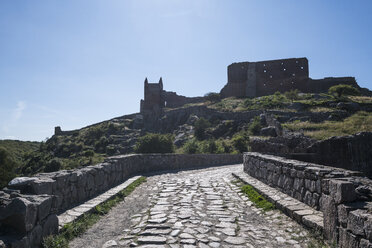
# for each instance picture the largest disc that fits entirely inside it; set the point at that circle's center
(255, 126)
(213, 97)
(292, 94)
(191, 147)
(343, 90)
(240, 142)
(155, 143)
(201, 126)
(53, 165)
(7, 168)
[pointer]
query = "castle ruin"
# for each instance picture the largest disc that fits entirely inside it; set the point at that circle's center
(253, 79)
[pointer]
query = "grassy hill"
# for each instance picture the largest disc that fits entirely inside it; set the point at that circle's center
(330, 116)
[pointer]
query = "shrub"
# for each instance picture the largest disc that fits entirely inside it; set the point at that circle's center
(53, 165)
(255, 126)
(240, 142)
(343, 90)
(191, 147)
(292, 94)
(155, 143)
(7, 167)
(200, 127)
(213, 97)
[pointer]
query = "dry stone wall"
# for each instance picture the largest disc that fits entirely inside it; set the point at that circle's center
(29, 205)
(344, 197)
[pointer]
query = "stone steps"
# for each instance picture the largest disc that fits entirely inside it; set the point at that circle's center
(295, 209)
(77, 212)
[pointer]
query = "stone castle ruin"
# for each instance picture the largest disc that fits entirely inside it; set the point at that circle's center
(252, 79)
(155, 98)
(249, 79)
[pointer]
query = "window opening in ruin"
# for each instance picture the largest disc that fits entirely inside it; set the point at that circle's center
(302, 67)
(264, 65)
(296, 61)
(284, 69)
(271, 76)
(294, 74)
(264, 71)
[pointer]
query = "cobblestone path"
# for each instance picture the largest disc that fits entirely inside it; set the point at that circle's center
(197, 208)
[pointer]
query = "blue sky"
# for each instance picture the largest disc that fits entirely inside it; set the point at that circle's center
(73, 63)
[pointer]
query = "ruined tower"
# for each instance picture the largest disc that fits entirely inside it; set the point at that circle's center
(153, 100)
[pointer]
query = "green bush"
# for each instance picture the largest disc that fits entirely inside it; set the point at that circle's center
(240, 142)
(53, 165)
(292, 94)
(255, 126)
(343, 90)
(191, 147)
(213, 97)
(7, 168)
(155, 143)
(275, 101)
(201, 126)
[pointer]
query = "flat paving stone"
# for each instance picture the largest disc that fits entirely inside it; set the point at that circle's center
(194, 208)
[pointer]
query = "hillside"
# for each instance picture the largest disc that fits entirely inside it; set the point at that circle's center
(12, 157)
(229, 125)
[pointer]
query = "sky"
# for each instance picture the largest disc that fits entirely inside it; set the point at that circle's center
(73, 63)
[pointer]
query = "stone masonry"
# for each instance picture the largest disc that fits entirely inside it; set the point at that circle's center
(252, 79)
(343, 196)
(29, 206)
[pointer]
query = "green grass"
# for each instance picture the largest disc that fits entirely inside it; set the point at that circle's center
(358, 122)
(78, 227)
(257, 198)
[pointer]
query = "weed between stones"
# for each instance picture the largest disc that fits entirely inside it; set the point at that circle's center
(78, 227)
(256, 198)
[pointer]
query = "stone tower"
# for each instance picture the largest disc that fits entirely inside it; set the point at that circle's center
(153, 100)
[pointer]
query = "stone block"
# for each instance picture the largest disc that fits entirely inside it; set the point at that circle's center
(330, 218)
(42, 186)
(313, 221)
(365, 244)
(35, 236)
(20, 214)
(355, 221)
(342, 191)
(50, 225)
(347, 239)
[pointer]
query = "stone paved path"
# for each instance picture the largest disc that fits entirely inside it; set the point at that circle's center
(197, 208)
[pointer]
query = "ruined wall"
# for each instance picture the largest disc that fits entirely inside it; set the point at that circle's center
(352, 152)
(30, 204)
(172, 100)
(281, 75)
(265, 77)
(252, 79)
(343, 196)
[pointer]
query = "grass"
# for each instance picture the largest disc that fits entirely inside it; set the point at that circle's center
(255, 197)
(358, 122)
(78, 227)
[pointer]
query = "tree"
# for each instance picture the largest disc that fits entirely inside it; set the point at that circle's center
(155, 143)
(343, 90)
(7, 168)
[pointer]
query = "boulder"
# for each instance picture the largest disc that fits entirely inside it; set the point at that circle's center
(268, 131)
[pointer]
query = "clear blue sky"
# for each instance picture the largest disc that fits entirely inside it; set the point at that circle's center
(73, 63)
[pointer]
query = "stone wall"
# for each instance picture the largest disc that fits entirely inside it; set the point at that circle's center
(343, 196)
(29, 205)
(352, 152)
